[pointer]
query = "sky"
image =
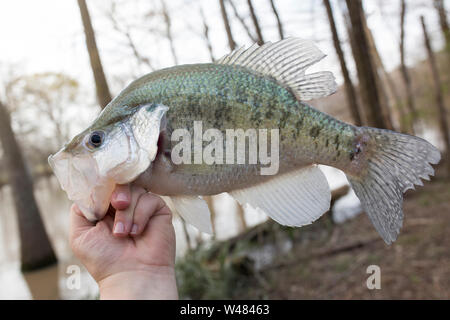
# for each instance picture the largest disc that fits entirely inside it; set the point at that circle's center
(47, 35)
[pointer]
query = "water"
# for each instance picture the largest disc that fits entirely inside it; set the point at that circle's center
(346, 207)
(54, 208)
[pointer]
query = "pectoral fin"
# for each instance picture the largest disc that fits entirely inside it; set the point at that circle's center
(193, 210)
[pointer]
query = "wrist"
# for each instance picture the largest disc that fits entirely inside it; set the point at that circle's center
(156, 283)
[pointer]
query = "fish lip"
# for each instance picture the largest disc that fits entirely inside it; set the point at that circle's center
(90, 195)
(51, 158)
(57, 157)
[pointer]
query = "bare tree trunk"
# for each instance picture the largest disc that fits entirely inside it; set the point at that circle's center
(35, 248)
(349, 88)
(391, 85)
(439, 5)
(206, 36)
(277, 16)
(242, 21)
(363, 107)
(366, 70)
(380, 73)
(412, 117)
(255, 22)
(226, 22)
(169, 31)
(103, 94)
(439, 98)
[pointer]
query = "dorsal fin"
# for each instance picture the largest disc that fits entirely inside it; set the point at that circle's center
(287, 61)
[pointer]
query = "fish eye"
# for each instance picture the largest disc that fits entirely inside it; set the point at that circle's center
(96, 139)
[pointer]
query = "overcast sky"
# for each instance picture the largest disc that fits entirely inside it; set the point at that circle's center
(47, 35)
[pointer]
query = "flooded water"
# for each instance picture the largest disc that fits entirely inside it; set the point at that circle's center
(52, 283)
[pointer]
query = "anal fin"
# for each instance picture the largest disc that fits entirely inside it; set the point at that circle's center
(296, 198)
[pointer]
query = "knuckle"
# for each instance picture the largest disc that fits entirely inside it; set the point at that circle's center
(138, 190)
(166, 210)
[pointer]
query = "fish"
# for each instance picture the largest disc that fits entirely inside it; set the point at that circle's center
(257, 90)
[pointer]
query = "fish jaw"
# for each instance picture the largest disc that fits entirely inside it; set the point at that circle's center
(80, 179)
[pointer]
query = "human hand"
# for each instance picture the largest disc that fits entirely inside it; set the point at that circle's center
(131, 251)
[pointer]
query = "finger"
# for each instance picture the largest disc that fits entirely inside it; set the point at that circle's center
(124, 218)
(78, 222)
(121, 197)
(109, 218)
(147, 206)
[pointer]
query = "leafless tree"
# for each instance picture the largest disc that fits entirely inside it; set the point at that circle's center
(439, 5)
(125, 31)
(35, 247)
(103, 94)
(242, 21)
(381, 74)
(277, 17)
(226, 22)
(442, 112)
(412, 118)
(48, 94)
(260, 38)
(366, 70)
(206, 37)
(168, 32)
(349, 88)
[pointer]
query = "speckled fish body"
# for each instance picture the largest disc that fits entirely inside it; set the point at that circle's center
(228, 96)
(257, 88)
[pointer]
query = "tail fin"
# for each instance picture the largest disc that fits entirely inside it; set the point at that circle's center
(395, 162)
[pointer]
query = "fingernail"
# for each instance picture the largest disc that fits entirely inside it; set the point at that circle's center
(121, 197)
(134, 229)
(119, 228)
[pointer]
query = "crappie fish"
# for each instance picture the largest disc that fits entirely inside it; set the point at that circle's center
(262, 87)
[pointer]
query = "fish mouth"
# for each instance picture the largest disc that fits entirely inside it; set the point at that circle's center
(89, 176)
(79, 177)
